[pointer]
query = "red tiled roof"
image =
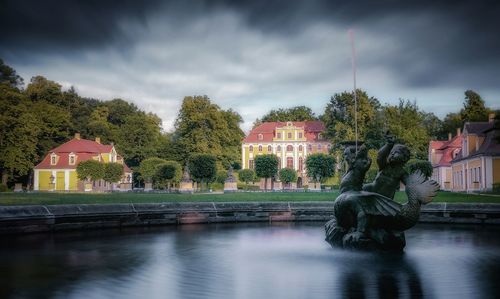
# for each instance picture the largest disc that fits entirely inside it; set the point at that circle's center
(268, 129)
(447, 148)
(83, 149)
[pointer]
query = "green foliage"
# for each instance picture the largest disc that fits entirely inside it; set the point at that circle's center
(266, 166)
(3, 188)
(202, 167)
(236, 165)
(169, 172)
(221, 176)
(113, 172)
(149, 168)
(404, 121)
(287, 175)
(246, 175)
(320, 166)
(9, 76)
(202, 127)
(90, 170)
(424, 166)
(298, 113)
(474, 108)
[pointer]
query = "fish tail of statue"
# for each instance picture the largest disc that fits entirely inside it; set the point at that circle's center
(418, 188)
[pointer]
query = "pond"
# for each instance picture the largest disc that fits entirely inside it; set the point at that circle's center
(283, 260)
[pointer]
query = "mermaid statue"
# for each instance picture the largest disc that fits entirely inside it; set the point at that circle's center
(366, 216)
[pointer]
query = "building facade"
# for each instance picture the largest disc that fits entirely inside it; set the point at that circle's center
(474, 164)
(441, 153)
(292, 142)
(57, 171)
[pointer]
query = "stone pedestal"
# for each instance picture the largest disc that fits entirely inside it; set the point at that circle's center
(186, 187)
(148, 187)
(87, 187)
(18, 187)
(230, 184)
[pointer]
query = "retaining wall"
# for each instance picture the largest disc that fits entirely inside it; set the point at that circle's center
(39, 218)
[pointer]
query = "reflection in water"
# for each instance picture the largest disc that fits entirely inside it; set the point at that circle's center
(247, 261)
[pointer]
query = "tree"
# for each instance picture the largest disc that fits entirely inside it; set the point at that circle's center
(42, 89)
(424, 166)
(170, 173)
(202, 127)
(404, 121)
(266, 166)
(474, 108)
(451, 123)
(319, 167)
(433, 125)
(339, 119)
(113, 172)
(202, 168)
(221, 176)
(246, 176)
(90, 170)
(287, 175)
(149, 168)
(9, 76)
(298, 113)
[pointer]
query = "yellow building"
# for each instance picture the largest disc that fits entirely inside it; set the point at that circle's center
(476, 167)
(57, 171)
(290, 141)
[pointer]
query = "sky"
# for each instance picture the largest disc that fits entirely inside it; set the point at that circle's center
(254, 56)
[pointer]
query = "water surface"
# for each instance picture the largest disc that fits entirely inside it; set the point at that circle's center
(287, 260)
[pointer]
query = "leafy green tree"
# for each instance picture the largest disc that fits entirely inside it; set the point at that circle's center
(113, 172)
(202, 127)
(339, 119)
(42, 89)
(451, 123)
(9, 76)
(246, 176)
(99, 126)
(221, 176)
(424, 166)
(298, 113)
(266, 166)
(433, 125)
(202, 168)
(149, 168)
(404, 121)
(90, 170)
(474, 108)
(319, 167)
(287, 175)
(170, 173)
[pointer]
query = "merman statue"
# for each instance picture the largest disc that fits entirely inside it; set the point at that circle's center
(367, 217)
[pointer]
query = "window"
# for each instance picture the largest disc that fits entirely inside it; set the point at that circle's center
(479, 173)
(300, 135)
(269, 148)
(261, 137)
(289, 135)
(53, 159)
(310, 147)
(250, 164)
(250, 148)
(279, 148)
(260, 148)
(300, 148)
(319, 147)
(301, 164)
(71, 159)
(289, 162)
(278, 135)
(279, 163)
(289, 124)
(319, 136)
(289, 148)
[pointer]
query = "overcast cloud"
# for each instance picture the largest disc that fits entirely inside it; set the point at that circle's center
(257, 55)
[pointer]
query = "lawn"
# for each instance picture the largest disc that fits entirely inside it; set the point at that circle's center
(94, 198)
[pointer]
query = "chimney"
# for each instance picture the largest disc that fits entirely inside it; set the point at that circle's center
(491, 117)
(77, 136)
(449, 136)
(98, 140)
(458, 131)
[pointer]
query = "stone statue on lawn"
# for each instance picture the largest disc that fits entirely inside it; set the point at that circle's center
(366, 216)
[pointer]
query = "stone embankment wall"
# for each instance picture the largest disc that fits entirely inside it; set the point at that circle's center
(39, 218)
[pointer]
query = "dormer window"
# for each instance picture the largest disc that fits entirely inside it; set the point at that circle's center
(53, 159)
(261, 136)
(319, 136)
(278, 135)
(289, 124)
(72, 159)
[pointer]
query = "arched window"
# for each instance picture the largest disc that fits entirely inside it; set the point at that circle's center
(279, 148)
(301, 164)
(289, 148)
(289, 162)
(250, 164)
(260, 148)
(310, 147)
(261, 137)
(250, 148)
(300, 148)
(269, 148)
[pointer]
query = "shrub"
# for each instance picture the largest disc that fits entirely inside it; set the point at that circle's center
(266, 166)
(113, 172)
(287, 175)
(424, 166)
(202, 168)
(3, 188)
(90, 170)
